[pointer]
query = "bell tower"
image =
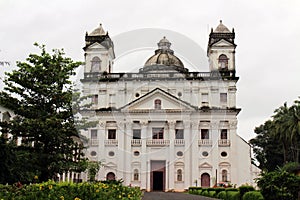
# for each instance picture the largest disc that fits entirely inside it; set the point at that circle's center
(99, 52)
(221, 49)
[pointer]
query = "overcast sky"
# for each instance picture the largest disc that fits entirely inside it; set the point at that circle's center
(267, 38)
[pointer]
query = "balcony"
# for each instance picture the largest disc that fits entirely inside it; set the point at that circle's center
(94, 142)
(204, 142)
(136, 142)
(224, 143)
(111, 142)
(179, 142)
(158, 142)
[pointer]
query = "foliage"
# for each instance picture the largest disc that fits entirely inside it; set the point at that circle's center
(233, 195)
(253, 195)
(245, 188)
(205, 193)
(93, 168)
(278, 139)
(39, 92)
(222, 195)
(279, 184)
(69, 191)
(291, 167)
(232, 189)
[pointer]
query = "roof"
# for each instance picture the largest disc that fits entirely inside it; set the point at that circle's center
(98, 31)
(221, 28)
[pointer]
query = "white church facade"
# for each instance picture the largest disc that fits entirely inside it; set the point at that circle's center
(163, 127)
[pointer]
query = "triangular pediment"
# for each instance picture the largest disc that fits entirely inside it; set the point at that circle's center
(96, 45)
(168, 102)
(205, 165)
(223, 43)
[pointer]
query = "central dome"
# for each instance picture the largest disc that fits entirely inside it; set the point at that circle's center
(163, 59)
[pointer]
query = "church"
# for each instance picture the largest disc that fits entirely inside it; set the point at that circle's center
(164, 128)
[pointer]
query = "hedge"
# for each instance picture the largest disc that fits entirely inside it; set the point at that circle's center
(233, 195)
(222, 195)
(245, 188)
(69, 191)
(253, 195)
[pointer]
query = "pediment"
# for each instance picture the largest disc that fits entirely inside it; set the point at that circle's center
(168, 102)
(224, 164)
(223, 43)
(110, 165)
(96, 45)
(205, 165)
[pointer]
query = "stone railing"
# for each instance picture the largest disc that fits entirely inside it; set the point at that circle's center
(136, 142)
(111, 142)
(158, 142)
(179, 142)
(204, 142)
(94, 142)
(161, 75)
(224, 142)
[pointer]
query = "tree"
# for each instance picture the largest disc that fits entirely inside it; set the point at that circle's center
(278, 140)
(267, 149)
(40, 92)
(279, 184)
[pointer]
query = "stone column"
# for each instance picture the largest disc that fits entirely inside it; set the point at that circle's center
(145, 169)
(170, 162)
(128, 153)
(194, 168)
(121, 150)
(188, 154)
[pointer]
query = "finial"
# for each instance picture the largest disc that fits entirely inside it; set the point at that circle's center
(220, 21)
(86, 33)
(100, 24)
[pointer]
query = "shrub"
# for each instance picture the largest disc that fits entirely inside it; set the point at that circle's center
(205, 193)
(218, 190)
(194, 190)
(231, 189)
(279, 185)
(253, 195)
(212, 193)
(233, 195)
(222, 195)
(69, 191)
(245, 188)
(199, 192)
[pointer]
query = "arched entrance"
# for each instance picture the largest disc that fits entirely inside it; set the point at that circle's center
(205, 180)
(110, 176)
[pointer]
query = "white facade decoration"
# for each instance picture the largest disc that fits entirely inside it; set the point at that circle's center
(165, 128)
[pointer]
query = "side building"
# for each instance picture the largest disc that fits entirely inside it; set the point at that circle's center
(163, 127)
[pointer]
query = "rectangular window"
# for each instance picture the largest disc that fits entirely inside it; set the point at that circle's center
(112, 134)
(179, 134)
(157, 133)
(223, 98)
(136, 134)
(204, 134)
(95, 99)
(93, 134)
(204, 97)
(224, 134)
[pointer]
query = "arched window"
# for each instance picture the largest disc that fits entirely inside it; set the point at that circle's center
(96, 62)
(224, 175)
(179, 175)
(110, 176)
(136, 175)
(223, 62)
(157, 104)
